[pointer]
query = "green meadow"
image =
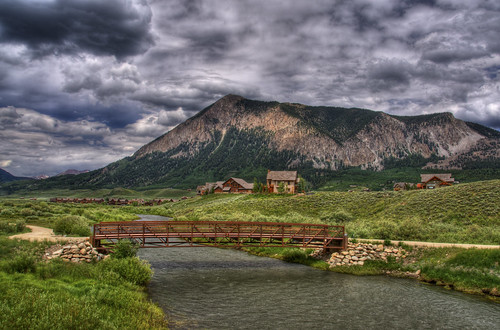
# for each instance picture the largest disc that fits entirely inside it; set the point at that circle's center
(464, 213)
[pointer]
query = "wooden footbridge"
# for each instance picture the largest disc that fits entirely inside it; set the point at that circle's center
(218, 233)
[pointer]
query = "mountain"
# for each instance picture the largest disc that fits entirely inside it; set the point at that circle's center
(240, 137)
(72, 172)
(7, 177)
(237, 136)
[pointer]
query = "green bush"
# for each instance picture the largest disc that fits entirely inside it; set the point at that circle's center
(72, 225)
(132, 270)
(125, 248)
(6, 213)
(8, 227)
(385, 229)
(337, 216)
(27, 212)
(20, 225)
(22, 262)
(411, 229)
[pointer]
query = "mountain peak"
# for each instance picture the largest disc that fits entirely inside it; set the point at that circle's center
(235, 133)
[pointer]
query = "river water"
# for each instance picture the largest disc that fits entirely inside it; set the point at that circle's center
(210, 288)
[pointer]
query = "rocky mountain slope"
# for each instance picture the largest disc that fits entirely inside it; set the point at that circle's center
(331, 138)
(72, 172)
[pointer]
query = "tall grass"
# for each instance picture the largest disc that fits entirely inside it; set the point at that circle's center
(62, 295)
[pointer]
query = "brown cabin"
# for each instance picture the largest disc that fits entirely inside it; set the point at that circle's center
(207, 188)
(234, 185)
(432, 181)
(289, 179)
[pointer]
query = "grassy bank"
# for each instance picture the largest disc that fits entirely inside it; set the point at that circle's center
(61, 295)
(467, 270)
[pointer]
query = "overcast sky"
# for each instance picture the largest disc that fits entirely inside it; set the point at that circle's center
(87, 82)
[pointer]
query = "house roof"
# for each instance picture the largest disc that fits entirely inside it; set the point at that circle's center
(445, 177)
(210, 185)
(243, 183)
(282, 175)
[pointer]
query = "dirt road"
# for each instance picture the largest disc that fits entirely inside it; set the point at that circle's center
(41, 234)
(435, 245)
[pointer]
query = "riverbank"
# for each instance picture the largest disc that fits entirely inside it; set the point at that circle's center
(473, 271)
(56, 294)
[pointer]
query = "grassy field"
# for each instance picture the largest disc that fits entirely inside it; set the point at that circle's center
(105, 193)
(465, 213)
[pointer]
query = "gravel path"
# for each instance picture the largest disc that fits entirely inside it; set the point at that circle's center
(435, 245)
(41, 234)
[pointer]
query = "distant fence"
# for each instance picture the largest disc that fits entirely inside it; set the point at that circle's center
(219, 233)
(114, 201)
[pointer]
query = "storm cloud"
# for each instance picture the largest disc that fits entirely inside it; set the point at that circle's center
(86, 78)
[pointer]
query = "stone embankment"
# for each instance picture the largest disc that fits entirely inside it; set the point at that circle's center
(358, 253)
(76, 252)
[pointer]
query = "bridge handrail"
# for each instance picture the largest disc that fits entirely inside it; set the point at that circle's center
(233, 230)
(330, 229)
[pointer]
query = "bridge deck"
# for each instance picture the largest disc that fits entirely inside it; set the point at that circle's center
(218, 233)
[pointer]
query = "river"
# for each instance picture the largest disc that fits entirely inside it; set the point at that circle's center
(212, 288)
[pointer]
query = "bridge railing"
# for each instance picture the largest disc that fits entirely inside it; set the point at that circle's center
(218, 233)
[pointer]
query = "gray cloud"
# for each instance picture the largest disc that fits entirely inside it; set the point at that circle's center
(123, 72)
(71, 26)
(35, 143)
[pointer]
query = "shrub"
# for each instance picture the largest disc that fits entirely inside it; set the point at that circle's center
(22, 262)
(12, 227)
(6, 213)
(125, 248)
(7, 227)
(72, 225)
(411, 229)
(27, 212)
(338, 216)
(20, 225)
(384, 229)
(132, 270)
